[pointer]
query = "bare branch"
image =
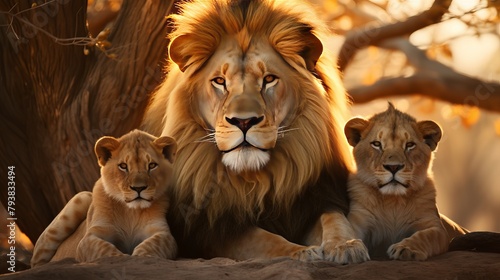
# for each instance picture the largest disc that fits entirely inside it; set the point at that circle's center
(367, 36)
(431, 79)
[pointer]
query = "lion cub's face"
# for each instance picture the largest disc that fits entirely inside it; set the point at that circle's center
(135, 168)
(245, 101)
(392, 150)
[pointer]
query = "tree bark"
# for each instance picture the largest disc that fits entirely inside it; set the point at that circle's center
(57, 101)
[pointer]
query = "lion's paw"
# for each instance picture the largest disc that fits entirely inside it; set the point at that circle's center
(352, 251)
(147, 252)
(402, 251)
(311, 253)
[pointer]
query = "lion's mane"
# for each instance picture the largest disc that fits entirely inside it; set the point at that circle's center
(308, 169)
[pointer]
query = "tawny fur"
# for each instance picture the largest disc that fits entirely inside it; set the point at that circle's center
(282, 192)
(393, 199)
(304, 167)
(116, 219)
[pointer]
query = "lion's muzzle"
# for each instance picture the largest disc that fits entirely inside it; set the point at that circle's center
(245, 132)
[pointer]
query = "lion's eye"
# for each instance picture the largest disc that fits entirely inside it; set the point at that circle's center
(152, 165)
(219, 83)
(410, 145)
(123, 166)
(269, 81)
(376, 145)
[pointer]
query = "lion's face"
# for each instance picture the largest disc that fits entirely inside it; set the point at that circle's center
(135, 168)
(392, 150)
(244, 100)
(254, 102)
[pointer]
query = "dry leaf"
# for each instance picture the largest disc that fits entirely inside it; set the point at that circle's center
(427, 106)
(468, 115)
(330, 6)
(497, 127)
(369, 78)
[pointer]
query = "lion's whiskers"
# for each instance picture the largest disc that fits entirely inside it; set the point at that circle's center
(282, 130)
(210, 137)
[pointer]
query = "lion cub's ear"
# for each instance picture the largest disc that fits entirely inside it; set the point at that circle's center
(103, 148)
(168, 146)
(353, 129)
(431, 133)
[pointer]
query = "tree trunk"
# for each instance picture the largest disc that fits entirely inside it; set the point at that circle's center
(56, 101)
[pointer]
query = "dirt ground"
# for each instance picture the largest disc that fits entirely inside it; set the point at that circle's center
(452, 265)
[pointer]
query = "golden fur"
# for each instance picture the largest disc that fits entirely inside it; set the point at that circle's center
(125, 213)
(256, 65)
(393, 198)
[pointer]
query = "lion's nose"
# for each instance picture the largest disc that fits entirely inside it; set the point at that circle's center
(245, 124)
(138, 189)
(393, 168)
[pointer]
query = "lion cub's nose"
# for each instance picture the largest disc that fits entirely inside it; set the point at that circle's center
(244, 124)
(138, 189)
(393, 168)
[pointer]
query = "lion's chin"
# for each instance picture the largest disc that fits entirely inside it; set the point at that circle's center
(138, 203)
(393, 188)
(245, 159)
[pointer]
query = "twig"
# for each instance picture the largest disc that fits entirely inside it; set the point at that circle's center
(431, 79)
(367, 36)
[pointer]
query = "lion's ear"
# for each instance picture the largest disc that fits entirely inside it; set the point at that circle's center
(431, 133)
(103, 148)
(176, 51)
(168, 146)
(353, 130)
(312, 51)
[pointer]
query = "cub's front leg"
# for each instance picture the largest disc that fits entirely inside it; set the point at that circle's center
(94, 246)
(421, 245)
(161, 244)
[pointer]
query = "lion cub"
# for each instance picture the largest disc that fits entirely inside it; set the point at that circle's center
(393, 198)
(125, 213)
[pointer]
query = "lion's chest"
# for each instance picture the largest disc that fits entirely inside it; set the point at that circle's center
(383, 225)
(388, 228)
(129, 234)
(132, 227)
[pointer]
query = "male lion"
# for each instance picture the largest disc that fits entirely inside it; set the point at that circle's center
(393, 198)
(257, 109)
(125, 213)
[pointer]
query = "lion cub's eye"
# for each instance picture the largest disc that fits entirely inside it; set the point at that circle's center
(152, 165)
(376, 145)
(410, 145)
(219, 83)
(123, 166)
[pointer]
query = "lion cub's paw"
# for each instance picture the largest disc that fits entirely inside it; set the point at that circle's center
(311, 253)
(93, 257)
(402, 251)
(152, 252)
(352, 251)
